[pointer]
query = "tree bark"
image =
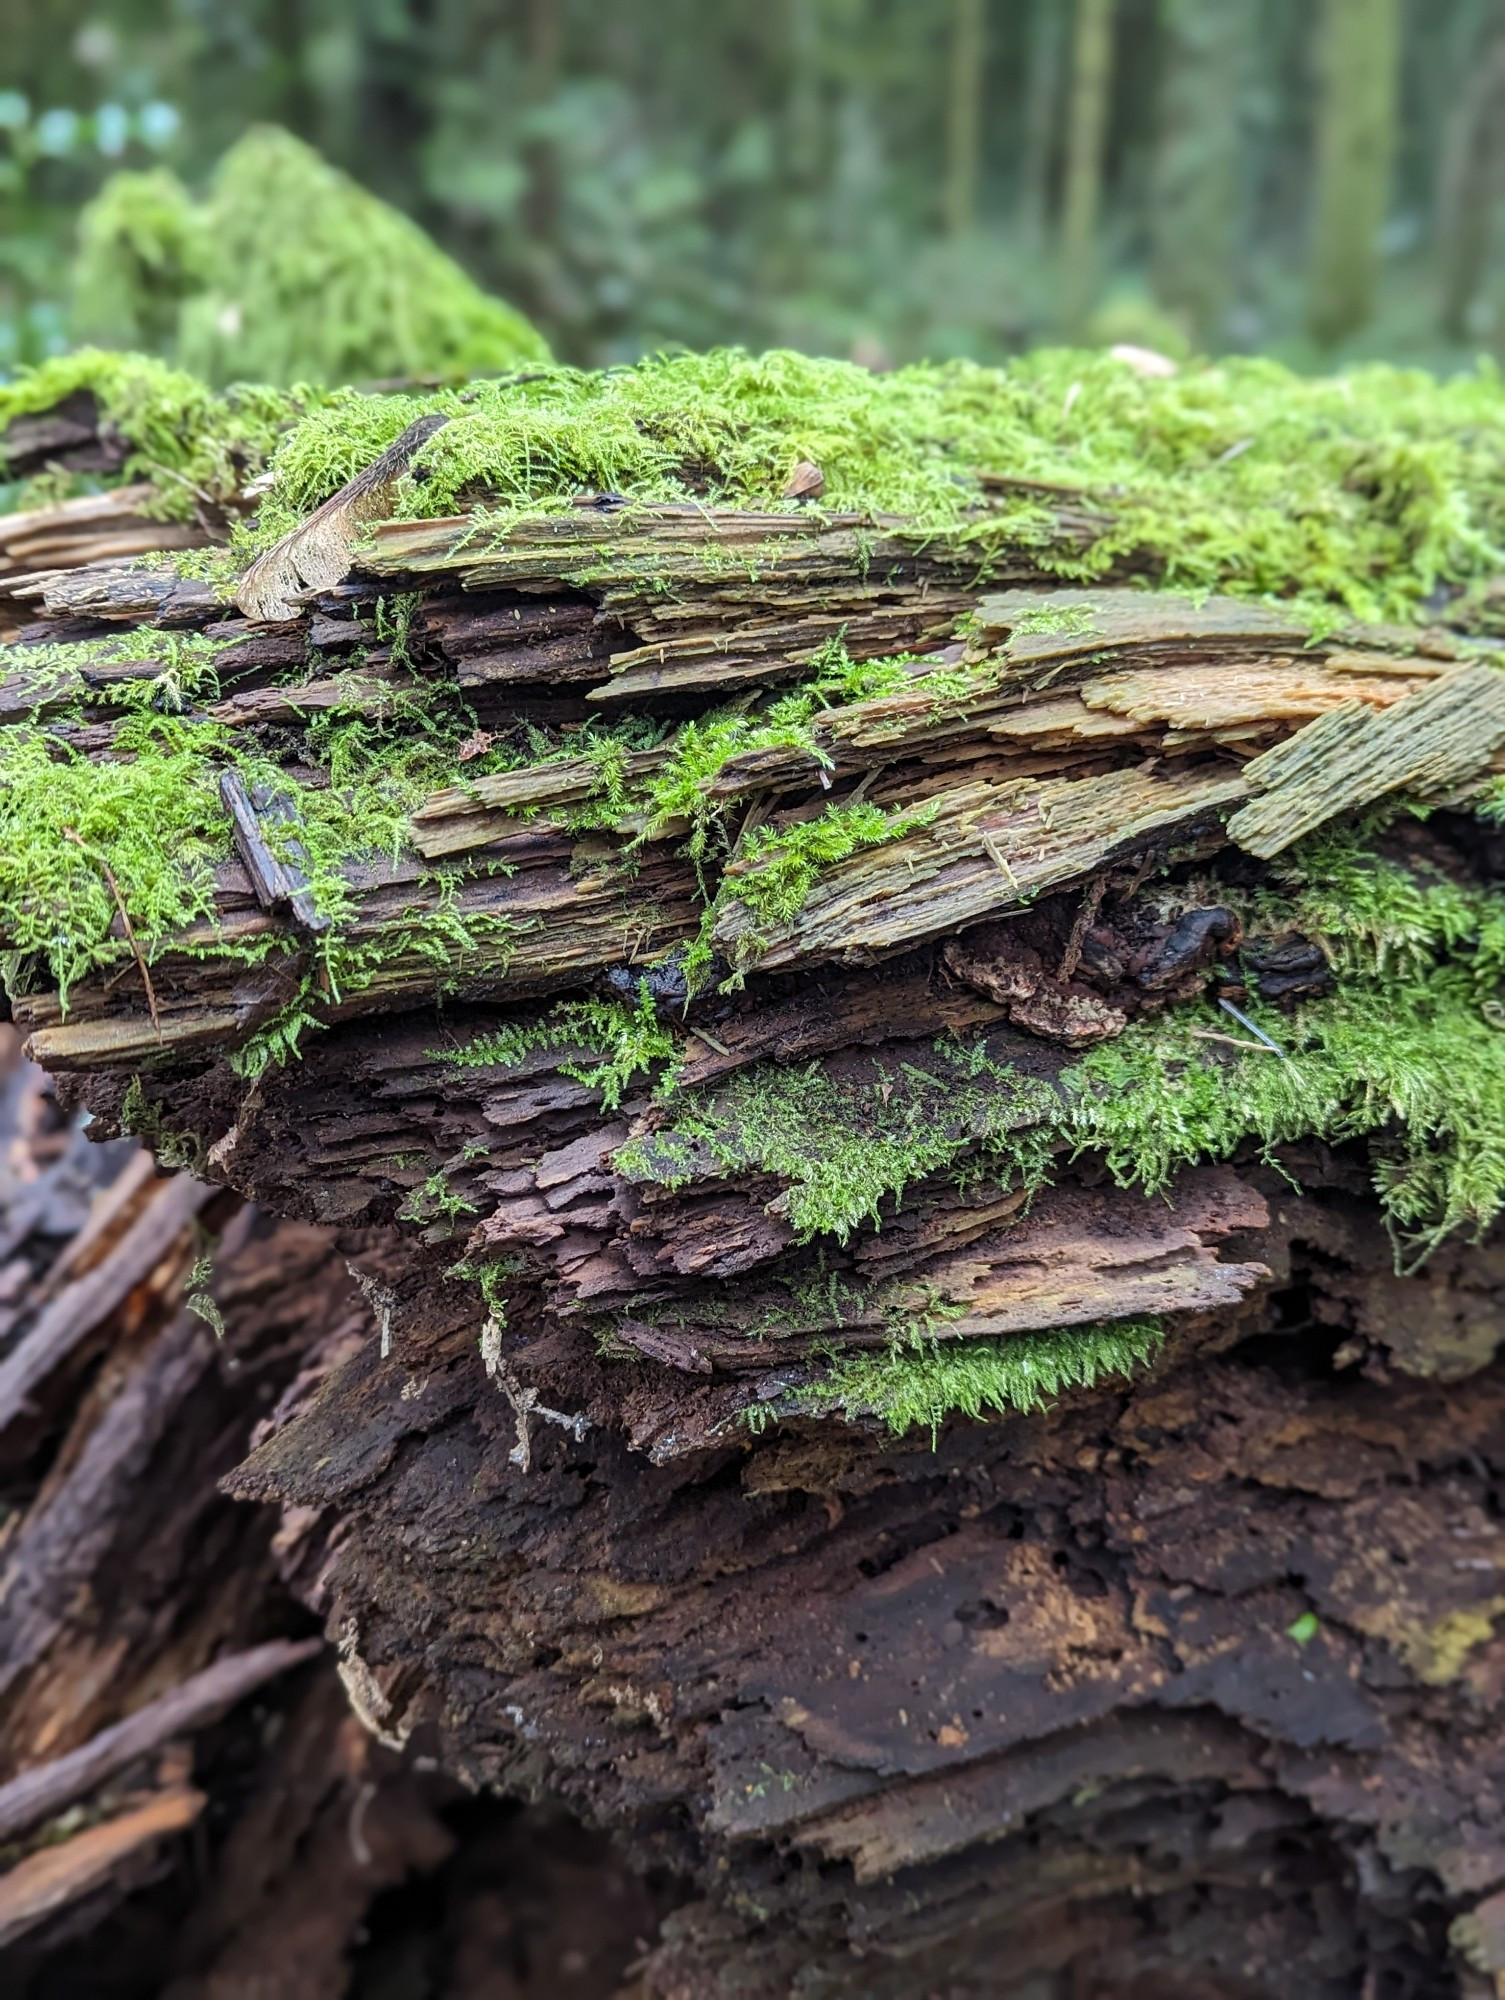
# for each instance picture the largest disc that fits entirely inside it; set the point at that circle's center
(1468, 180)
(1195, 212)
(1087, 109)
(1355, 141)
(964, 107)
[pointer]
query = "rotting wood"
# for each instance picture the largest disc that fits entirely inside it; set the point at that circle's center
(46, 1789)
(55, 1876)
(1193, 1664)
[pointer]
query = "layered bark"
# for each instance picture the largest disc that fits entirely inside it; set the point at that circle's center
(1186, 1685)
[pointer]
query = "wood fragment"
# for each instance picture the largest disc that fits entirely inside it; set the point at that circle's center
(53, 1877)
(37, 1794)
(85, 1302)
(1428, 742)
(280, 881)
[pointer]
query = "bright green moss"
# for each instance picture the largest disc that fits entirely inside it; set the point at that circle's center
(629, 1041)
(1406, 1051)
(781, 867)
(196, 448)
(844, 1148)
(153, 817)
(142, 250)
(1414, 1063)
(922, 1381)
(156, 822)
(288, 272)
(1360, 492)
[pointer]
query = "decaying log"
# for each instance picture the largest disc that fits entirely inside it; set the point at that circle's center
(181, 1810)
(650, 1153)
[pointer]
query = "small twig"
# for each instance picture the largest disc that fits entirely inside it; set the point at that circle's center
(1071, 958)
(382, 1300)
(109, 874)
(524, 1400)
(355, 1825)
(1229, 1041)
(1255, 1029)
(996, 854)
(720, 1047)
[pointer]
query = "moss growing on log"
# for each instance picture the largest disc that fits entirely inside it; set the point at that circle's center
(288, 272)
(921, 1381)
(1361, 492)
(198, 449)
(846, 1148)
(1407, 1053)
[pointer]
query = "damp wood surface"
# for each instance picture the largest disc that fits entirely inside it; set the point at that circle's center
(851, 1184)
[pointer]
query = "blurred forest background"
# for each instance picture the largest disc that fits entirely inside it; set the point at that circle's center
(876, 178)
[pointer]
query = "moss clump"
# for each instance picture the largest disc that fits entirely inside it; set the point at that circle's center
(152, 816)
(196, 448)
(844, 1147)
(1406, 1051)
(142, 251)
(154, 821)
(922, 1381)
(780, 868)
(288, 272)
(1415, 1063)
(1362, 492)
(626, 1042)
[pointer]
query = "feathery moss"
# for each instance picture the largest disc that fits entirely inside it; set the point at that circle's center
(196, 448)
(844, 1147)
(630, 1041)
(920, 1382)
(1361, 492)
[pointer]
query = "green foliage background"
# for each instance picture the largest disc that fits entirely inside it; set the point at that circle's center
(858, 177)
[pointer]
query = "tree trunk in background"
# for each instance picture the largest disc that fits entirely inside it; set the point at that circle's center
(1194, 212)
(1086, 133)
(964, 115)
(1042, 92)
(1467, 178)
(541, 151)
(804, 120)
(1355, 139)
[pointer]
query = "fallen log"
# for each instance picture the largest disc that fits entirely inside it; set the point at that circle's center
(185, 1801)
(955, 1096)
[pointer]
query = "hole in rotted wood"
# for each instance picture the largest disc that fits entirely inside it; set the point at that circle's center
(529, 1898)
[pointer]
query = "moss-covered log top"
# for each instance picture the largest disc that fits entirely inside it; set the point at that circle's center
(708, 723)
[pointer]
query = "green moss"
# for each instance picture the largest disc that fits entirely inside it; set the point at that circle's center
(1406, 1051)
(1409, 1051)
(1416, 1064)
(1360, 492)
(142, 250)
(288, 272)
(155, 822)
(195, 447)
(152, 816)
(615, 1043)
(846, 1147)
(922, 1381)
(778, 869)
